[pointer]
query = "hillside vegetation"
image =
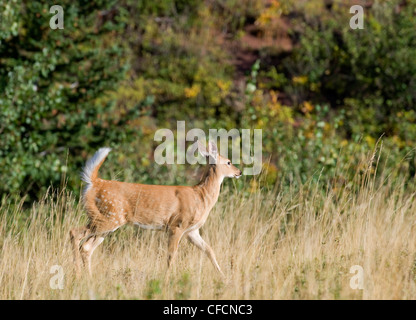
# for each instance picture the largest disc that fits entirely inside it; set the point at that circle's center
(336, 110)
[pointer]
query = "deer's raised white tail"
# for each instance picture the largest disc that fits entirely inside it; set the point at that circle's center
(180, 210)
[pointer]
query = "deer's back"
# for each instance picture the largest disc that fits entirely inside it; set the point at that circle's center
(149, 206)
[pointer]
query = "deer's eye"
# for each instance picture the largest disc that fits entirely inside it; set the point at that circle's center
(229, 163)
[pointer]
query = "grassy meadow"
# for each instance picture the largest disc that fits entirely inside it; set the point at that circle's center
(331, 216)
(271, 244)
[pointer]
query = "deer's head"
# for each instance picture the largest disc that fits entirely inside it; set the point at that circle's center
(224, 167)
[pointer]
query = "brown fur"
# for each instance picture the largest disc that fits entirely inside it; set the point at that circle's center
(181, 210)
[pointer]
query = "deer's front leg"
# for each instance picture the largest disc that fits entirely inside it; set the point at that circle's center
(195, 238)
(175, 236)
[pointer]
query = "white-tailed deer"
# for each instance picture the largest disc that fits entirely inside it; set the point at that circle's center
(181, 210)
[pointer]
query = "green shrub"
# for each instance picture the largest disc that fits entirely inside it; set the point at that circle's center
(49, 81)
(374, 66)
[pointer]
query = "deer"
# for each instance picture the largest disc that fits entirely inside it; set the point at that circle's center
(178, 210)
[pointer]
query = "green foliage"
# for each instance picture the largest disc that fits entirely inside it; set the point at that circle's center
(153, 289)
(120, 70)
(49, 81)
(370, 70)
(188, 79)
(184, 287)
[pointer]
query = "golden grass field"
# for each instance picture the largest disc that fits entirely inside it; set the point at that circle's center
(271, 245)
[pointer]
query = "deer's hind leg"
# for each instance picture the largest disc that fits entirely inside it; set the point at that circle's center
(96, 237)
(77, 235)
(85, 240)
(88, 248)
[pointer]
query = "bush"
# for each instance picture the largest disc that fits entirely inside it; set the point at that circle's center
(373, 66)
(50, 81)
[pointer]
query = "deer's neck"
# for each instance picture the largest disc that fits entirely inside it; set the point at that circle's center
(209, 186)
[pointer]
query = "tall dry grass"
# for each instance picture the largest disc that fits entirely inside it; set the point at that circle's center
(271, 245)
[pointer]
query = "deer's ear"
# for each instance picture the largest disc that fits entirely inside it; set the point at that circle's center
(213, 149)
(202, 150)
(212, 152)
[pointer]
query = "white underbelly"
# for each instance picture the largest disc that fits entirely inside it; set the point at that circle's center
(148, 226)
